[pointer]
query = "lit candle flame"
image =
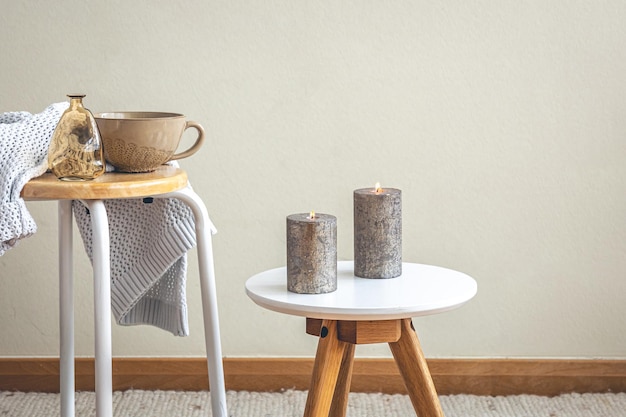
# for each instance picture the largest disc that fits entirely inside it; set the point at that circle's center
(377, 188)
(312, 215)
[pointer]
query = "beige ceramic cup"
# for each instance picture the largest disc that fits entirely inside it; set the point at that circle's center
(142, 141)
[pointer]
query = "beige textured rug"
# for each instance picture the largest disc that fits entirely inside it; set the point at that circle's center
(291, 404)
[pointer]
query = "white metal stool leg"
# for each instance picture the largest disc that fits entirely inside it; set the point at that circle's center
(66, 308)
(102, 307)
(204, 228)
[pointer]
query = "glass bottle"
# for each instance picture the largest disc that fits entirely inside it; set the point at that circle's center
(75, 152)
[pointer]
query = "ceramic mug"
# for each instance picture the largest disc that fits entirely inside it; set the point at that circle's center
(142, 141)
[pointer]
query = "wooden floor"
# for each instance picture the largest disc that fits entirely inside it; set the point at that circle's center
(451, 376)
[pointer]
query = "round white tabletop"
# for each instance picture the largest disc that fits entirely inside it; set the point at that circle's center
(419, 291)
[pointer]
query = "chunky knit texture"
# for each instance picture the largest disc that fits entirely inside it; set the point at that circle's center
(24, 140)
(149, 241)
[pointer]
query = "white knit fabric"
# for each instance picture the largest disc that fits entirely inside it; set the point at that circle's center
(149, 241)
(24, 140)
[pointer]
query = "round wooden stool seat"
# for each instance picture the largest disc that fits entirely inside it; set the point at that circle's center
(111, 185)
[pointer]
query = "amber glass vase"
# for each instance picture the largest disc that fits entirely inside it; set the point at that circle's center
(75, 152)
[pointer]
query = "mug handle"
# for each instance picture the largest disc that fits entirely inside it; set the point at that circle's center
(194, 148)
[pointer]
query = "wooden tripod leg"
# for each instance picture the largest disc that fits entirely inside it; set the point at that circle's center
(414, 370)
(342, 390)
(328, 359)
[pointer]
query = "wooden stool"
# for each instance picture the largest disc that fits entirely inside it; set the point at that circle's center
(165, 182)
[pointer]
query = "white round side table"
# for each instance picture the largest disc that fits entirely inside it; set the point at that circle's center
(363, 311)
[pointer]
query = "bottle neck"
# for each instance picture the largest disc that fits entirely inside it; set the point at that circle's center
(76, 100)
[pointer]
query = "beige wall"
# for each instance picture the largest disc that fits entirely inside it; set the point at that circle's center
(503, 122)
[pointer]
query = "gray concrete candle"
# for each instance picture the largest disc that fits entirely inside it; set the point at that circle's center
(311, 253)
(377, 232)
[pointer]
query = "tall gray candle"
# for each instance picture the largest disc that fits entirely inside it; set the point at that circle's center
(377, 232)
(311, 253)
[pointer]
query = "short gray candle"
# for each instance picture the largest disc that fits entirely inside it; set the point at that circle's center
(311, 253)
(377, 232)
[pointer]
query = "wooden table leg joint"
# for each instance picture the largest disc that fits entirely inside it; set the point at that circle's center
(332, 372)
(323, 332)
(359, 332)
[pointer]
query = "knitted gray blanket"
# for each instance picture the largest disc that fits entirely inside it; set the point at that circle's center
(149, 241)
(24, 140)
